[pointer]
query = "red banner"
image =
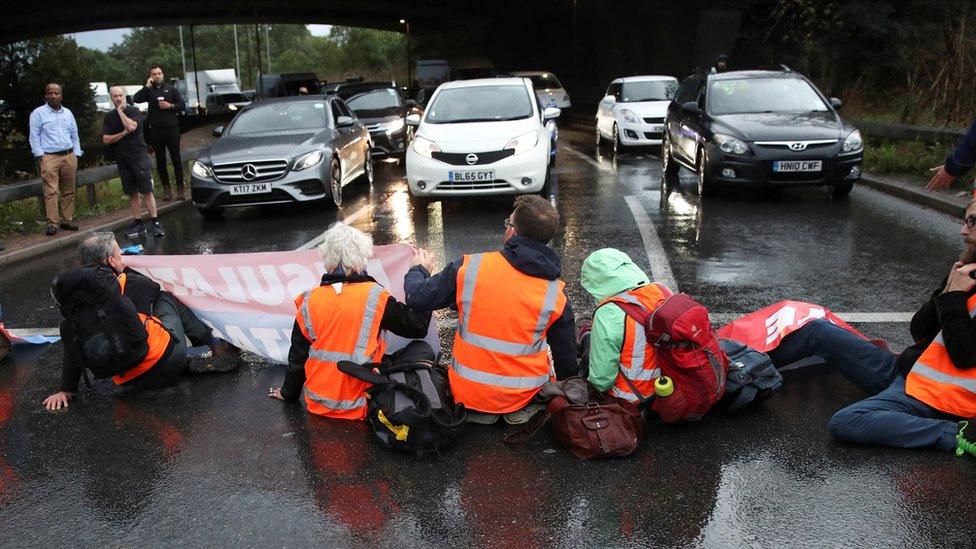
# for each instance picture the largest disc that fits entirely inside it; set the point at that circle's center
(764, 329)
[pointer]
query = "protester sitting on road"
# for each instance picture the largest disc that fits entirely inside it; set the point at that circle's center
(122, 132)
(510, 303)
(55, 145)
(167, 321)
(956, 164)
(343, 320)
(615, 347)
(922, 397)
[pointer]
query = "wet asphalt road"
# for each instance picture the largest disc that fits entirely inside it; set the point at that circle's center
(215, 462)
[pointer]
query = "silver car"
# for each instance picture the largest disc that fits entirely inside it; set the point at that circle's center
(290, 149)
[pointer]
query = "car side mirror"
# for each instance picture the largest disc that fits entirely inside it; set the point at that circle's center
(344, 121)
(413, 120)
(836, 103)
(551, 113)
(690, 108)
(609, 100)
(218, 131)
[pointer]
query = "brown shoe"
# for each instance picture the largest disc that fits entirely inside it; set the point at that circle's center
(180, 192)
(224, 357)
(167, 194)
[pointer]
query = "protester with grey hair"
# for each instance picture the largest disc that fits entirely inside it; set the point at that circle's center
(168, 322)
(344, 319)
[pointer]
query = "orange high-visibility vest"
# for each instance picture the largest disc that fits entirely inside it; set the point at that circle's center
(936, 381)
(342, 325)
(637, 358)
(158, 342)
(501, 358)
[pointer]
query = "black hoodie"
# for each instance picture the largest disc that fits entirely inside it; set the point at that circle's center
(427, 293)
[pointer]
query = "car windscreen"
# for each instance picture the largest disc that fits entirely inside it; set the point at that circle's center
(752, 95)
(288, 116)
(479, 104)
(545, 81)
(234, 98)
(648, 90)
(376, 102)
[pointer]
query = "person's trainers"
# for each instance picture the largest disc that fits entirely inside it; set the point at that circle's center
(224, 357)
(157, 230)
(51, 230)
(480, 418)
(521, 417)
(965, 444)
(138, 230)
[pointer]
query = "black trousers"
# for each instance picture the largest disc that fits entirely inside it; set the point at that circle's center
(163, 139)
(182, 325)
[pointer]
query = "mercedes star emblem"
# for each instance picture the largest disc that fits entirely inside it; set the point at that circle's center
(798, 146)
(249, 172)
(471, 159)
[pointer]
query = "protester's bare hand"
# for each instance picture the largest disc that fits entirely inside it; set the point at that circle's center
(423, 258)
(57, 400)
(960, 279)
(275, 392)
(149, 82)
(941, 180)
(165, 104)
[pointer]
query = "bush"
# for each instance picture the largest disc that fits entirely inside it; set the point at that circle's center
(904, 157)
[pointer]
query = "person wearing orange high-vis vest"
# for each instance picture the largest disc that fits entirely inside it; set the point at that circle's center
(512, 311)
(343, 320)
(168, 323)
(616, 347)
(923, 397)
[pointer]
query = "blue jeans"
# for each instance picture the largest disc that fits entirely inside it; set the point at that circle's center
(888, 418)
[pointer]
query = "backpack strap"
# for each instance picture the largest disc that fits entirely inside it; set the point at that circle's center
(645, 401)
(746, 395)
(364, 372)
(528, 431)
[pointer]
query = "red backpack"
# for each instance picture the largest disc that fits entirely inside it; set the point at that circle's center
(687, 351)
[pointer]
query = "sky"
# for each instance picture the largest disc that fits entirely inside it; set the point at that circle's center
(104, 39)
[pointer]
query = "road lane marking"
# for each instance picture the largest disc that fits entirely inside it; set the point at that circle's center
(354, 217)
(656, 258)
(586, 158)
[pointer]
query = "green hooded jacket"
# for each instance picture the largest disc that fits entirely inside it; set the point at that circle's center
(605, 273)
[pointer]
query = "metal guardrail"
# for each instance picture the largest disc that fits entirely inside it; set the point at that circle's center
(90, 176)
(905, 132)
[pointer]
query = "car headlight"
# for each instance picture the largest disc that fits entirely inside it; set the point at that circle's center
(232, 107)
(730, 145)
(425, 147)
(200, 169)
(394, 126)
(628, 115)
(308, 160)
(853, 142)
(524, 142)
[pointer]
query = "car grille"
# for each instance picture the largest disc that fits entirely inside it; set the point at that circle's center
(461, 159)
(473, 185)
(653, 120)
(652, 135)
(266, 170)
(785, 145)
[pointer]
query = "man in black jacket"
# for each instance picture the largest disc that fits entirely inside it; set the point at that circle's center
(892, 416)
(528, 231)
(957, 164)
(165, 102)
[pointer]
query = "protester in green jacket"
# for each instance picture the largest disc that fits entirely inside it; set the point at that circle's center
(608, 272)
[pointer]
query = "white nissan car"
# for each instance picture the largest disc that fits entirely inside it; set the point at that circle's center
(633, 110)
(480, 137)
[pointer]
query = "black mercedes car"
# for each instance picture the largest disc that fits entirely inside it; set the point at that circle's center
(762, 129)
(379, 106)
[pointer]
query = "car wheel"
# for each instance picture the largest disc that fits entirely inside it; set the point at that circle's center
(616, 140)
(211, 213)
(841, 190)
(368, 168)
(669, 167)
(703, 179)
(335, 181)
(599, 139)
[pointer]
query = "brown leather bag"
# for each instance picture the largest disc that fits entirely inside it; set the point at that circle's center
(600, 427)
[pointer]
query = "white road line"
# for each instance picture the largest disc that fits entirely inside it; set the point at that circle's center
(354, 217)
(660, 268)
(586, 158)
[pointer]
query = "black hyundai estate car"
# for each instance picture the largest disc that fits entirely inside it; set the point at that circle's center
(760, 129)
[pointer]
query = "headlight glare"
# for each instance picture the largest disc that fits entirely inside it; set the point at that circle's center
(628, 115)
(730, 145)
(425, 147)
(853, 142)
(524, 142)
(200, 169)
(394, 126)
(308, 160)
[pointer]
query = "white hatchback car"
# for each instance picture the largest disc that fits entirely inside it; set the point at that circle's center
(633, 110)
(480, 137)
(547, 88)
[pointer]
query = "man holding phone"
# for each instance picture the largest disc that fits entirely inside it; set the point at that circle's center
(165, 102)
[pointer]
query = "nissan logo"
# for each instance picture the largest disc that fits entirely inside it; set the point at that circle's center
(249, 172)
(471, 159)
(798, 146)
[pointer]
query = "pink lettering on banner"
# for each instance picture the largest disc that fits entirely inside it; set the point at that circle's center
(248, 299)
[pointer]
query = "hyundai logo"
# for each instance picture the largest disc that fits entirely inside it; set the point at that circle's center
(798, 146)
(249, 172)
(471, 159)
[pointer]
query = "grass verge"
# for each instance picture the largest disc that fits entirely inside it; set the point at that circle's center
(908, 158)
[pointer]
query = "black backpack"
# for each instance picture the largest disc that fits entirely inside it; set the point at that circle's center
(752, 376)
(409, 408)
(105, 327)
